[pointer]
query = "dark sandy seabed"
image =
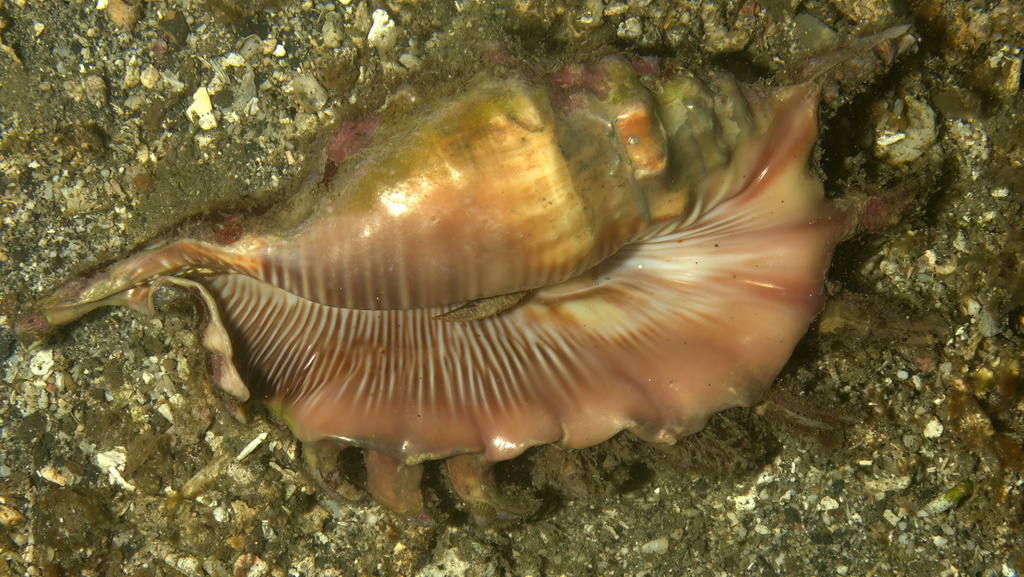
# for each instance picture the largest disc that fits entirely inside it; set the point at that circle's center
(890, 445)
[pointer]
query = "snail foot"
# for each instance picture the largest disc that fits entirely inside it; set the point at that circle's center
(397, 486)
(321, 463)
(473, 479)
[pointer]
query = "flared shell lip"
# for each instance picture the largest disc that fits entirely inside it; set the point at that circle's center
(495, 449)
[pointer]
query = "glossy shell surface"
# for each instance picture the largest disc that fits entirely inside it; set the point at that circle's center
(655, 247)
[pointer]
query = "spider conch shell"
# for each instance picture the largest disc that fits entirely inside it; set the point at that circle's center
(655, 250)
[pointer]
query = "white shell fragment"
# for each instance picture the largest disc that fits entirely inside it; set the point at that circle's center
(41, 363)
(933, 429)
(113, 462)
(383, 32)
(200, 112)
(887, 138)
(251, 446)
(886, 484)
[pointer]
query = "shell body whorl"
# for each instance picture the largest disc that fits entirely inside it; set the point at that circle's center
(488, 196)
(511, 187)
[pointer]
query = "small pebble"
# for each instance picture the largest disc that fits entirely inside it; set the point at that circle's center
(827, 504)
(657, 546)
(10, 517)
(165, 412)
(95, 90)
(310, 94)
(149, 76)
(813, 34)
(122, 14)
(948, 500)
(891, 517)
(200, 112)
(630, 29)
(168, 365)
(409, 61)
(933, 429)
